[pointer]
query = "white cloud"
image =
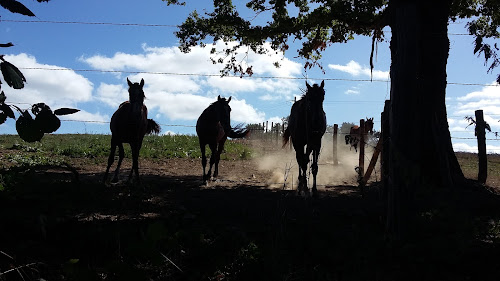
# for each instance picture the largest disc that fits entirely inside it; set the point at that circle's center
(245, 113)
(488, 92)
(275, 120)
(87, 116)
(179, 96)
(487, 99)
(473, 148)
(172, 71)
(355, 69)
(351, 92)
(62, 88)
(112, 95)
(168, 133)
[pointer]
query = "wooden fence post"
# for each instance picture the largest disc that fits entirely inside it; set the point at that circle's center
(481, 146)
(361, 166)
(373, 161)
(335, 143)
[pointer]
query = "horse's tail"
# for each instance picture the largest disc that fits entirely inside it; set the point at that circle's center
(153, 127)
(238, 132)
(286, 137)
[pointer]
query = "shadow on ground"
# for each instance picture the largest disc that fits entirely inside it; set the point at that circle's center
(56, 225)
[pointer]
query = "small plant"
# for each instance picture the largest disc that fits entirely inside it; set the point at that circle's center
(246, 153)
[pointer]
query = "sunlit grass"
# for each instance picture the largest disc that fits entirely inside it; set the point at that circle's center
(98, 147)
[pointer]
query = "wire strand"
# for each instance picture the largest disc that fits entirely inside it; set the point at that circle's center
(232, 76)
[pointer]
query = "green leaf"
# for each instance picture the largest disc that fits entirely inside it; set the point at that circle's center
(478, 43)
(7, 110)
(6, 45)
(39, 107)
(47, 121)
(12, 75)
(65, 111)
(27, 128)
(3, 117)
(16, 7)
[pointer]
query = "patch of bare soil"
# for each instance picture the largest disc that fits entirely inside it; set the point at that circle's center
(64, 224)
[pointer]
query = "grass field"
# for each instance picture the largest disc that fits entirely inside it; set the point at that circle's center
(54, 148)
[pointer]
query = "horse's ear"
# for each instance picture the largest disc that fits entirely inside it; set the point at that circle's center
(229, 99)
(129, 83)
(218, 98)
(142, 82)
(323, 84)
(308, 86)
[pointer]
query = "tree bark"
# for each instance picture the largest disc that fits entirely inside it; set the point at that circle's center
(421, 152)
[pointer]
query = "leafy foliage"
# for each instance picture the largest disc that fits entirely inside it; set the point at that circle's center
(29, 129)
(484, 26)
(316, 24)
(12, 75)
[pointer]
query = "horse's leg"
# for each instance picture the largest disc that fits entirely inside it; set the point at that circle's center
(203, 161)
(220, 148)
(301, 160)
(121, 154)
(306, 162)
(314, 168)
(111, 159)
(213, 149)
(135, 148)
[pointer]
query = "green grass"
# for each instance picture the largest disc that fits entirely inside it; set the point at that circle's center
(470, 167)
(87, 146)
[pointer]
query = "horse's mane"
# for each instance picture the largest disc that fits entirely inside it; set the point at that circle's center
(306, 92)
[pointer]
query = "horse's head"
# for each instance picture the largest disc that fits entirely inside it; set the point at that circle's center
(314, 101)
(136, 96)
(135, 92)
(369, 125)
(223, 112)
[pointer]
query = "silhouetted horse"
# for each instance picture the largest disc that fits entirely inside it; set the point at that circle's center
(213, 128)
(129, 124)
(355, 134)
(306, 126)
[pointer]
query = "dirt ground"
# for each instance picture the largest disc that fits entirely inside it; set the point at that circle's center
(271, 167)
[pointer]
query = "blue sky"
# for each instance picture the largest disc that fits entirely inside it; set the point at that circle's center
(140, 38)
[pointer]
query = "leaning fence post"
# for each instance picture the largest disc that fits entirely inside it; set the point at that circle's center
(481, 146)
(335, 132)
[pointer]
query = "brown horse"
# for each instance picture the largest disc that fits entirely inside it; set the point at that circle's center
(213, 128)
(129, 124)
(355, 133)
(306, 127)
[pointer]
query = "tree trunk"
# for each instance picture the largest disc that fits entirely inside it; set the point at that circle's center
(421, 153)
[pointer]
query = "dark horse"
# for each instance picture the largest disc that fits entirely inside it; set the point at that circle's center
(355, 134)
(129, 124)
(213, 128)
(306, 127)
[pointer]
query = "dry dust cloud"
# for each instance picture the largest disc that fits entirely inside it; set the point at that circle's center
(281, 162)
